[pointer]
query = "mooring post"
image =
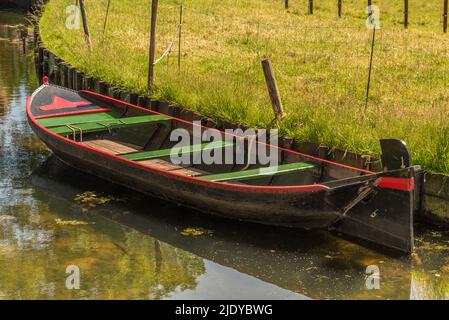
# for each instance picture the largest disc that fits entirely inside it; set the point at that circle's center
(445, 16)
(405, 14)
(85, 24)
(310, 6)
(273, 89)
(45, 63)
(180, 37)
(154, 5)
(339, 8)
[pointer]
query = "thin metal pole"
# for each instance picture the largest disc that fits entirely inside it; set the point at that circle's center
(405, 14)
(154, 5)
(370, 68)
(445, 16)
(106, 18)
(180, 37)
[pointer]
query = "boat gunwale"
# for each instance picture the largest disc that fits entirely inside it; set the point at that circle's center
(195, 180)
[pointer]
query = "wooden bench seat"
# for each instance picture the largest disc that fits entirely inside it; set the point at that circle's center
(260, 173)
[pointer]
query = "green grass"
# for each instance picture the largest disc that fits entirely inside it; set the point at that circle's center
(321, 64)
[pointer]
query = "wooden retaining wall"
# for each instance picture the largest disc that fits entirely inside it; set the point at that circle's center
(16, 4)
(435, 190)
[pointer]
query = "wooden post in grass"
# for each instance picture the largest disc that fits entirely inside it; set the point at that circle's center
(286, 4)
(273, 89)
(310, 6)
(339, 8)
(445, 16)
(179, 38)
(405, 14)
(154, 4)
(85, 24)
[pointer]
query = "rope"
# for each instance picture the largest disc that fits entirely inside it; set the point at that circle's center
(168, 50)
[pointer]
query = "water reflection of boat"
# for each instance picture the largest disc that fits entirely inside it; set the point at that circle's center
(311, 263)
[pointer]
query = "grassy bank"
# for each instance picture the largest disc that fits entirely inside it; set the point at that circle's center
(321, 63)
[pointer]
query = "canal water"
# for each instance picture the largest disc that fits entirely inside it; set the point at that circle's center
(129, 246)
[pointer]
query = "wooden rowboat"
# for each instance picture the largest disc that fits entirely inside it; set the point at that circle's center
(133, 146)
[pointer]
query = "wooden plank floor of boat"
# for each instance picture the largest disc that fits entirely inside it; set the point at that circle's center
(111, 146)
(166, 165)
(116, 148)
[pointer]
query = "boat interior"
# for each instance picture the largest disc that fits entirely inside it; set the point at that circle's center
(146, 137)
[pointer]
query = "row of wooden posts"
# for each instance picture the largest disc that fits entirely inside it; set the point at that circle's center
(406, 11)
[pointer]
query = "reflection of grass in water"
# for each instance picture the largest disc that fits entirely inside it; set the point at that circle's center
(90, 199)
(115, 262)
(431, 275)
(196, 232)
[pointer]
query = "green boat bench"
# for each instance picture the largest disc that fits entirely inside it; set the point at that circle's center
(97, 122)
(260, 173)
(148, 155)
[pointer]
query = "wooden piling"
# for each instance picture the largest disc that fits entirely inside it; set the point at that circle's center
(133, 98)
(45, 65)
(56, 71)
(51, 66)
(117, 93)
(78, 80)
(142, 101)
(102, 87)
(69, 77)
(40, 61)
(87, 82)
(63, 74)
(273, 89)
(154, 5)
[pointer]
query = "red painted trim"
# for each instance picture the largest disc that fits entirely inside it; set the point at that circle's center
(404, 184)
(174, 175)
(62, 114)
(122, 104)
(59, 103)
